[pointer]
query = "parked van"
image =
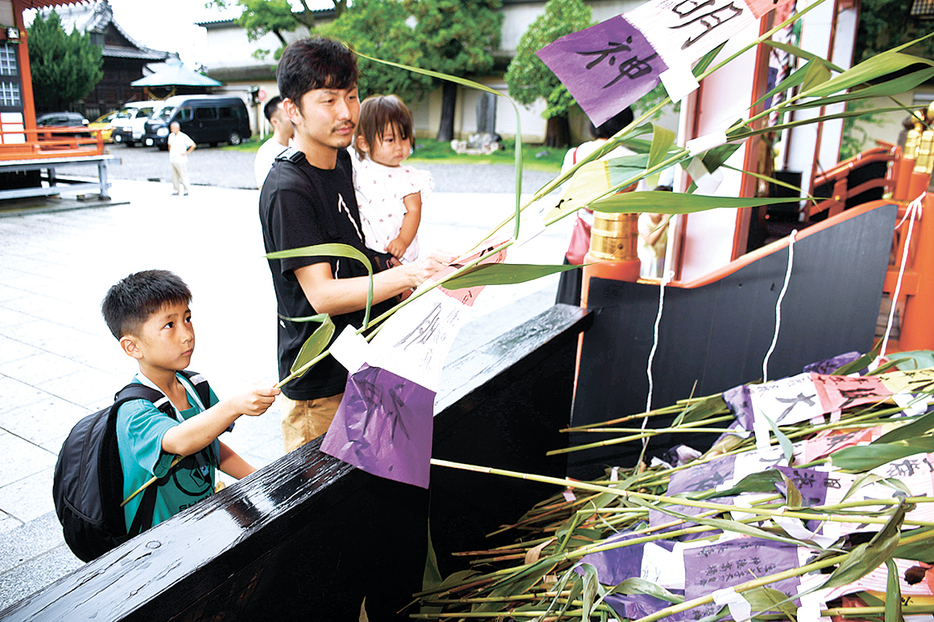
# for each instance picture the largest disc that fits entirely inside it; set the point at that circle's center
(205, 118)
(129, 124)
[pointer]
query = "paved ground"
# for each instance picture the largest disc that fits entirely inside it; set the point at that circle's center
(224, 168)
(58, 362)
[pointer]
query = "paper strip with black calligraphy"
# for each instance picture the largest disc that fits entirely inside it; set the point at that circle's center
(384, 423)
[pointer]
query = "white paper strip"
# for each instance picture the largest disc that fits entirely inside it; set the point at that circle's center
(350, 349)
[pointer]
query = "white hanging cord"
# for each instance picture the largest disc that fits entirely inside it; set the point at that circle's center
(913, 212)
(666, 279)
(778, 305)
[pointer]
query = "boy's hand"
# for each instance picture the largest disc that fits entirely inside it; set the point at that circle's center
(256, 401)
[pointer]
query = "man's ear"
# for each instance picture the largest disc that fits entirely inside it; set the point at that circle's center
(291, 111)
(130, 346)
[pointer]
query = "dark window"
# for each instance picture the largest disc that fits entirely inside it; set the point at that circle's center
(205, 114)
(226, 113)
(184, 114)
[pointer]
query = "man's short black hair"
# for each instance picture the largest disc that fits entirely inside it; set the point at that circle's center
(134, 299)
(270, 108)
(315, 63)
(614, 124)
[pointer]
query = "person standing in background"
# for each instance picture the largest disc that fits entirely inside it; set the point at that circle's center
(282, 132)
(180, 145)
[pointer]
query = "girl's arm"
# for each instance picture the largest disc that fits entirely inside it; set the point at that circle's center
(413, 217)
(232, 464)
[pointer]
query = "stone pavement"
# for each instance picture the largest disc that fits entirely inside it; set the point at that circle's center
(58, 362)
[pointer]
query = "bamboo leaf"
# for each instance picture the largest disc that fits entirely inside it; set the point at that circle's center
(662, 140)
(888, 88)
(861, 363)
(334, 250)
(893, 594)
(919, 549)
(744, 134)
(704, 409)
(503, 274)
(865, 558)
(867, 479)
(867, 457)
(763, 481)
(314, 345)
(675, 203)
(714, 158)
(637, 585)
(793, 498)
(796, 51)
(867, 71)
(783, 441)
(590, 589)
(764, 599)
(817, 74)
(918, 427)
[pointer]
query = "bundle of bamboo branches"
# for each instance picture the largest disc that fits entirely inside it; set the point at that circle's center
(791, 518)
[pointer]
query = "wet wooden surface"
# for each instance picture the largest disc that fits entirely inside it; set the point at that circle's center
(310, 537)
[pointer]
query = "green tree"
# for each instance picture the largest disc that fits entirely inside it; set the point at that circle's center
(262, 17)
(529, 79)
(457, 38)
(65, 67)
(884, 24)
(378, 28)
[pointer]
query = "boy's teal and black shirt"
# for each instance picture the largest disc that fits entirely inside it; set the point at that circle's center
(140, 428)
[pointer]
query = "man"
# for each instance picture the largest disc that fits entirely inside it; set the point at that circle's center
(281, 135)
(307, 199)
(180, 145)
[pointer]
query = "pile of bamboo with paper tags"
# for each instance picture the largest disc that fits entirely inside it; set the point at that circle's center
(816, 501)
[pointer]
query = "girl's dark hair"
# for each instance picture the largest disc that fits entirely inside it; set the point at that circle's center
(315, 63)
(379, 113)
(134, 299)
(614, 124)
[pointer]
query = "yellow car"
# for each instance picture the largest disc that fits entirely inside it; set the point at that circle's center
(103, 125)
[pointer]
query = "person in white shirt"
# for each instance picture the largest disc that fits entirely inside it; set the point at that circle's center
(180, 145)
(282, 131)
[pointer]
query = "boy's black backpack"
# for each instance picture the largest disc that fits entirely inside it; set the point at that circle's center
(88, 483)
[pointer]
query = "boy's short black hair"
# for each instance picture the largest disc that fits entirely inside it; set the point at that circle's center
(134, 299)
(315, 63)
(270, 108)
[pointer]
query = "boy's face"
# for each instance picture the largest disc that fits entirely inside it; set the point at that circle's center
(165, 341)
(327, 119)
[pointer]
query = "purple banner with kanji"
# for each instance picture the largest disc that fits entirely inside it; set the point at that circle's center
(605, 67)
(384, 425)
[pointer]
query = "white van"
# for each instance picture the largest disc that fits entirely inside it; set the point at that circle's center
(130, 121)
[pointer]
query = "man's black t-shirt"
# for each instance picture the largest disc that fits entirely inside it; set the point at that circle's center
(301, 205)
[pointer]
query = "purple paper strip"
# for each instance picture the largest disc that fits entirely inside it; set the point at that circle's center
(703, 476)
(605, 67)
(384, 426)
(740, 404)
(726, 564)
(811, 483)
(828, 366)
(616, 565)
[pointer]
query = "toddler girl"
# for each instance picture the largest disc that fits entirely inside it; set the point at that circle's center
(389, 195)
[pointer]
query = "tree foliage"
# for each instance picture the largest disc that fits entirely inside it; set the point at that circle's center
(529, 79)
(262, 17)
(456, 37)
(884, 24)
(378, 28)
(64, 67)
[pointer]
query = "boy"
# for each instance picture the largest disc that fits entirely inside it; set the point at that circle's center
(148, 313)
(308, 198)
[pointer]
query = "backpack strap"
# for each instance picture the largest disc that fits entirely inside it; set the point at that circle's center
(136, 391)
